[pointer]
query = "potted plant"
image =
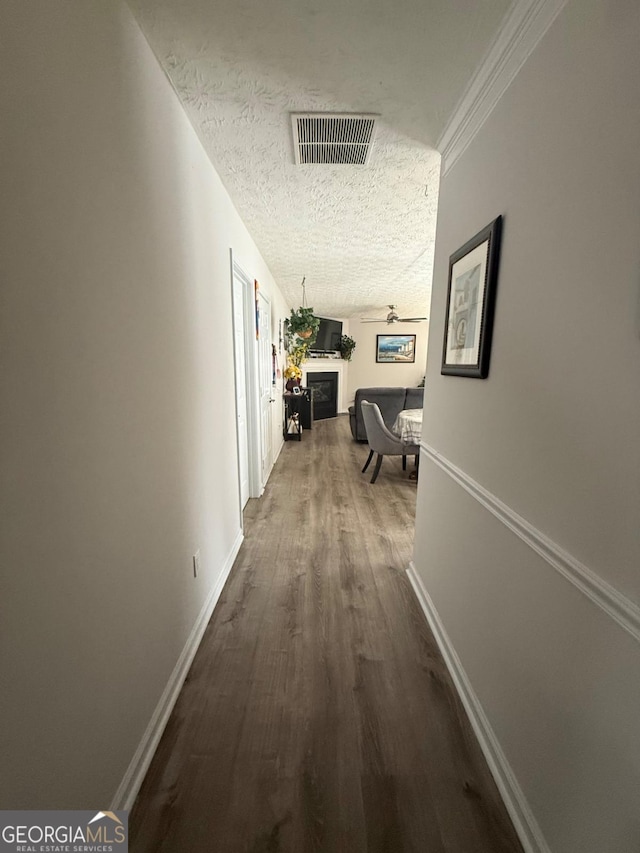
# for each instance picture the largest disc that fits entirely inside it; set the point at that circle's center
(303, 324)
(297, 356)
(347, 346)
(293, 375)
(298, 353)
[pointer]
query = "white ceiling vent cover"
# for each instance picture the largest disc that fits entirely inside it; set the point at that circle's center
(332, 138)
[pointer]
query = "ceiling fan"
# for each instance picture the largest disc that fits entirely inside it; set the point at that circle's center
(392, 317)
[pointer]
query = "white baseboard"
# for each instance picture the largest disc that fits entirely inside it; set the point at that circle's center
(523, 820)
(134, 776)
(277, 454)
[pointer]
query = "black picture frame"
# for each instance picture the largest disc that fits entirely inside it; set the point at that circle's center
(471, 298)
(395, 349)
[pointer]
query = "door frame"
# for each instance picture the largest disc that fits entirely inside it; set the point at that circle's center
(240, 376)
(251, 368)
(265, 371)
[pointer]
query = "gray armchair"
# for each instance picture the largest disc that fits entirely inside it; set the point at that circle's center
(382, 441)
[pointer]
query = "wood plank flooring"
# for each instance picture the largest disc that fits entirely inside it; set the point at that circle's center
(318, 714)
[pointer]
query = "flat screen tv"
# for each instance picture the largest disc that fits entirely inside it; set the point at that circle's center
(329, 335)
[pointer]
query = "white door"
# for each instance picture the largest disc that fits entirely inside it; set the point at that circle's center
(265, 376)
(241, 388)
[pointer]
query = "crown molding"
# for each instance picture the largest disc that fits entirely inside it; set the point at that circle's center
(522, 28)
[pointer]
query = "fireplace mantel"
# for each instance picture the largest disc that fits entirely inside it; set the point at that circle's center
(329, 365)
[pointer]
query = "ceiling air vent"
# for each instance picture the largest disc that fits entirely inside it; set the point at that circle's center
(332, 138)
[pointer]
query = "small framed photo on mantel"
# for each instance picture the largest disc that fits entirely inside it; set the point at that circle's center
(471, 296)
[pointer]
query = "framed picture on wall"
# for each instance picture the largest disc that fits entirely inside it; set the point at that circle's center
(395, 349)
(471, 296)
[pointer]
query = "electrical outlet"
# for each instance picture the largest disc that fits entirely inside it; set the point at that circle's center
(196, 563)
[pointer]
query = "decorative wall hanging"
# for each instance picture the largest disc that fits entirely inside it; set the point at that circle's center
(395, 349)
(471, 295)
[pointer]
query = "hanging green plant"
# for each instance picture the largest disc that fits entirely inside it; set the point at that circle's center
(347, 346)
(303, 324)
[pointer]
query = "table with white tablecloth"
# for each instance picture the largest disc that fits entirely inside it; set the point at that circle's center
(408, 425)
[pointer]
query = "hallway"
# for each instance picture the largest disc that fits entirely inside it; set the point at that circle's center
(318, 714)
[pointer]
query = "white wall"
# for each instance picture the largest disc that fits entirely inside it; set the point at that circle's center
(118, 431)
(552, 433)
(365, 372)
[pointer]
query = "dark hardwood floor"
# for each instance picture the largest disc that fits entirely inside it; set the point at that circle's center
(318, 714)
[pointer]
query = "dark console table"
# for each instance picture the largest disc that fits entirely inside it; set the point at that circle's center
(298, 413)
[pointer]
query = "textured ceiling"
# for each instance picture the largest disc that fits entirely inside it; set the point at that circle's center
(362, 235)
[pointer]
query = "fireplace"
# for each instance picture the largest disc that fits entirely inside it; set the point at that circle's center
(324, 393)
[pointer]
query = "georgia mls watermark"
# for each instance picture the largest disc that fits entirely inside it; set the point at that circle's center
(63, 832)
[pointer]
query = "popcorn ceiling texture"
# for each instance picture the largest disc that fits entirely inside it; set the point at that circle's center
(362, 236)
